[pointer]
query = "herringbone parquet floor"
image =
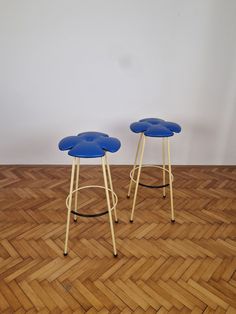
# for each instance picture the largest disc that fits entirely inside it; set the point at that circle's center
(188, 267)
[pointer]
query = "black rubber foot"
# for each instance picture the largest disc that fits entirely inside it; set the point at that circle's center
(164, 196)
(172, 221)
(128, 196)
(65, 254)
(131, 221)
(116, 221)
(115, 255)
(75, 220)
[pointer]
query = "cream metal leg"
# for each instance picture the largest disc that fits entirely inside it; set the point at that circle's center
(111, 187)
(135, 164)
(76, 186)
(109, 206)
(69, 208)
(164, 166)
(170, 183)
(138, 177)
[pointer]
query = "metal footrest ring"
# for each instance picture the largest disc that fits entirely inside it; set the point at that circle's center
(150, 186)
(96, 214)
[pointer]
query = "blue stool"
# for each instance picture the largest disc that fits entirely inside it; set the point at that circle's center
(90, 145)
(152, 127)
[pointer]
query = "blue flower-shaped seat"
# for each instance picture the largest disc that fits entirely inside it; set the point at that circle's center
(89, 144)
(154, 127)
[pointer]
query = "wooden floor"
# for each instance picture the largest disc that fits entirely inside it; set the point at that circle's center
(186, 267)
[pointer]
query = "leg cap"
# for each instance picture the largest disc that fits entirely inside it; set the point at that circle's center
(65, 254)
(131, 221)
(164, 196)
(75, 220)
(115, 255)
(172, 221)
(128, 196)
(116, 221)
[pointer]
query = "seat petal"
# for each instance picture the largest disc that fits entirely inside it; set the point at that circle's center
(152, 120)
(91, 136)
(174, 127)
(110, 144)
(86, 149)
(158, 131)
(139, 127)
(68, 142)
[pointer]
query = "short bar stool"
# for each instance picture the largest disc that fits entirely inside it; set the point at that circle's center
(153, 127)
(90, 145)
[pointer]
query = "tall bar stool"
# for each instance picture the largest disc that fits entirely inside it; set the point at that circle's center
(90, 145)
(153, 127)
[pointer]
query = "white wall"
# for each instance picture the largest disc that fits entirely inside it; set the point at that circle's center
(68, 66)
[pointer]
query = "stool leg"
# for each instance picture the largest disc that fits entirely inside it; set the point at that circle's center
(138, 176)
(135, 163)
(76, 186)
(170, 182)
(164, 166)
(111, 186)
(69, 209)
(109, 206)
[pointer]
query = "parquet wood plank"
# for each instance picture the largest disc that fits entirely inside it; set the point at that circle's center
(20, 295)
(186, 267)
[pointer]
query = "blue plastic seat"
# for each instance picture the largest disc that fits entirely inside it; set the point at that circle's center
(154, 127)
(89, 145)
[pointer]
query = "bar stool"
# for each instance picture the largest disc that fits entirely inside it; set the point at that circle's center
(153, 127)
(90, 145)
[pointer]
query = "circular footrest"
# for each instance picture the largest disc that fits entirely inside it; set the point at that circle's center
(151, 186)
(95, 214)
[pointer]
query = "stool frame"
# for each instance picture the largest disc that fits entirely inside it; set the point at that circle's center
(139, 160)
(108, 187)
